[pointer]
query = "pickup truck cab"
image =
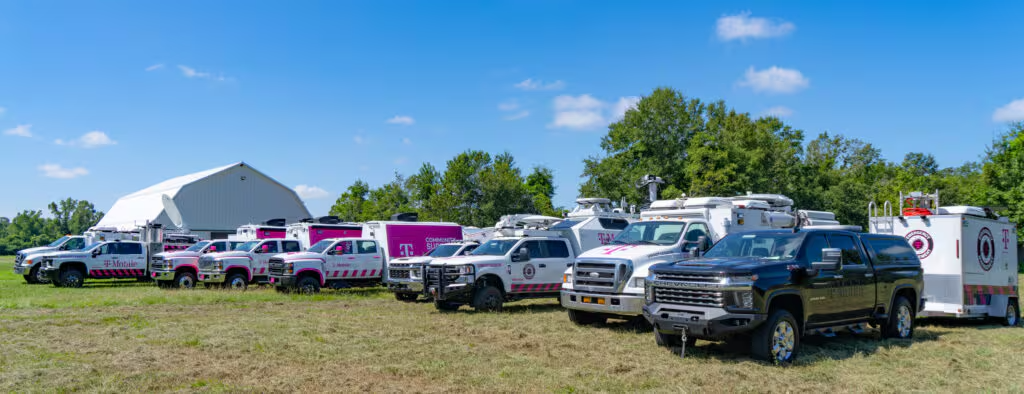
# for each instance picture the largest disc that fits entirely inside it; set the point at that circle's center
(101, 260)
(337, 263)
(181, 269)
(504, 269)
(248, 263)
(776, 286)
(26, 261)
(405, 274)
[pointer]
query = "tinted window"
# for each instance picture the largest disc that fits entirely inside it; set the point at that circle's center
(762, 245)
(613, 224)
(696, 231)
(536, 251)
(812, 248)
(291, 246)
(469, 249)
(557, 249)
(892, 251)
(851, 254)
(367, 247)
(107, 249)
(271, 247)
(129, 248)
(74, 244)
(219, 247)
(346, 247)
(565, 224)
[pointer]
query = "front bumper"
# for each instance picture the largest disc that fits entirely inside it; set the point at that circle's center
(614, 304)
(22, 269)
(212, 276)
(405, 286)
(162, 274)
(455, 292)
(282, 281)
(700, 322)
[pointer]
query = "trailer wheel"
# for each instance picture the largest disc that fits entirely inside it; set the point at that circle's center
(185, 280)
(488, 299)
(1012, 318)
(777, 340)
(237, 282)
(582, 318)
(406, 297)
(71, 277)
(901, 320)
(308, 285)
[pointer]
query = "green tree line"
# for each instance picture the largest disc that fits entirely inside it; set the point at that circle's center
(31, 228)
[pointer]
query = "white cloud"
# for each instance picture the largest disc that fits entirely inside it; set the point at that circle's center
(406, 141)
(531, 84)
(580, 113)
(22, 130)
(517, 115)
(401, 160)
(775, 80)
(1012, 112)
(510, 105)
(624, 104)
(190, 72)
(402, 120)
(778, 112)
(92, 139)
(742, 26)
(307, 192)
(359, 140)
(161, 65)
(59, 172)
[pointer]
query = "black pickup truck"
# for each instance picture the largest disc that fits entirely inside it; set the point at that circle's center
(772, 287)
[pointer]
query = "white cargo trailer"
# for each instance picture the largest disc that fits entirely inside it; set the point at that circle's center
(968, 254)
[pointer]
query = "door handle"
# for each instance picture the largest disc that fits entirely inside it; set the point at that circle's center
(543, 265)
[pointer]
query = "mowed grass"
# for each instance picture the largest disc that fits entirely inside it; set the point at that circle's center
(127, 336)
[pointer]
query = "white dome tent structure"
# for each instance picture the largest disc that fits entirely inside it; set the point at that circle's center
(213, 203)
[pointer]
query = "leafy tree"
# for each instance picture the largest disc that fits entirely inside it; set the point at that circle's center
(349, 206)
(1004, 174)
(541, 186)
(502, 191)
(422, 189)
(460, 194)
(387, 200)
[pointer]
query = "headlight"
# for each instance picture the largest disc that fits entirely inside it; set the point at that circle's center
(567, 278)
(289, 268)
(28, 262)
(415, 272)
(466, 269)
(637, 283)
(743, 299)
(218, 266)
(648, 292)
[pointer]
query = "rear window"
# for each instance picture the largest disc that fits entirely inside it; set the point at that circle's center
(613, 224)
(892, 251)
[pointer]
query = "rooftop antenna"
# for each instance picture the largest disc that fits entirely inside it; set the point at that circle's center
(652, 182)
(173, 213)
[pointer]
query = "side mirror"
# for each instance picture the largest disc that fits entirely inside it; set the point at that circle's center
(338, 250)
(695, 251)
(95, 252)
(702, 242)
(521, 255)
(264, 248)
(831, 260)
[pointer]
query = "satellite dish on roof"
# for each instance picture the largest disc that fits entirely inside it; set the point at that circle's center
(172, 211)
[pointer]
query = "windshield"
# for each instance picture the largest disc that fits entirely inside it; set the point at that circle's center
(444, 251)
(495, 247)
(197, 247)
(248, 246)
(91, 246)
(650, 233)
(321, 246)
(766, 246)
(59, 241)
(232, 245)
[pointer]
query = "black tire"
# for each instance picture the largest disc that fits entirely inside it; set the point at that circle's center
(901, 322)
(307, 285)
(445, 306)
(781, 329)
(33, 275)
(582, 318)
(184, 280)
(41, 276)
(236, 282)
(670, 340)
(1012, 318)
(488, 299)
(406, 297)
(71, 277)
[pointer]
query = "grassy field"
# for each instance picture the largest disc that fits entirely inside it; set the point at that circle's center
(127, 336)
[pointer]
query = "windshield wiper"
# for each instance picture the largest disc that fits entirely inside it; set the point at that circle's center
(617, 242)
(646, 242)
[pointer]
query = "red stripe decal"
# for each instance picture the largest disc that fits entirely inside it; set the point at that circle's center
(344, 274)
(373, 272)
(362, 274)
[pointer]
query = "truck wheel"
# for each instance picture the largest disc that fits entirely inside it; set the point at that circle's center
(71, 277)
(669, 340)
(185, 280)
(406, 297)
(41, 276)
(236, 282)
(778, 339)
(445, 306)
(488, 299)
(585, 318)
(29, 279)
(32, 276)
(901, 320)
(1012, 318)
(308, 285)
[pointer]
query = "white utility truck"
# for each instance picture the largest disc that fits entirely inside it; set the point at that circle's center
(969, 256)
(525, 260)
(310, 231)
(270, 229)
(248, 263)
(405, 274)
(181, 269)
(360, 260)
(609, 281)
(110, 259)
(26, 261)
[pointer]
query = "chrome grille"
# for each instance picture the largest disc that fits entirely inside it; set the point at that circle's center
(689, 297)
(600, 275)
(18, 257)
(451, 274)
(206, 263)
(398, 273)
(697, 278)
(158, 263)
(276, 266)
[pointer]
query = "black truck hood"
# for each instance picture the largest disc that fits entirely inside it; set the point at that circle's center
(722, 265)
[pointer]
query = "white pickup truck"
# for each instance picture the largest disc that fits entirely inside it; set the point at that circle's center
(103, 260)
(609, 281)
(405, 274)
(335, 263)
(26, 261)
(246, 264)
(181, 269)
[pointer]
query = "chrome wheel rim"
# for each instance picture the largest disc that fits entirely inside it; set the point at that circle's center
(237, 283)
(72, 280)
(186, 282)
(41, 277)
(1011, 315)
(783, 342)
(904, 321)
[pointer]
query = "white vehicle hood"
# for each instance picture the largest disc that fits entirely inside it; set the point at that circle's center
(463, 260)
(412, 260)
(629, 252)
(178, 255)
(299, 256)
(229, 255)
(35, 250)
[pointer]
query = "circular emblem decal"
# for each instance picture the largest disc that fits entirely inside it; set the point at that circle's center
(986, 249)
(922, 243)
(529, 271)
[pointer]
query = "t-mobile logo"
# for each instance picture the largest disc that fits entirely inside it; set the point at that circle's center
(405, 250)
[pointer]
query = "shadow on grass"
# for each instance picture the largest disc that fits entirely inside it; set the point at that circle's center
(948, 322)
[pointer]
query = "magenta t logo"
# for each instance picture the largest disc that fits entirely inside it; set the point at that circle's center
(406, 250)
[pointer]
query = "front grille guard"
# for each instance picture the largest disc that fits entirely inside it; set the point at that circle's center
(623, 270)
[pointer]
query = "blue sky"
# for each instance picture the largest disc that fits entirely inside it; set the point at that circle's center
(104, 98)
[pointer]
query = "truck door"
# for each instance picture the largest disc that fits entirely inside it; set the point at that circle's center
(855, 291)
(262, 261)
(346, 260)
(370, 258)
(692, 236)
(820, 302)
(559, 258)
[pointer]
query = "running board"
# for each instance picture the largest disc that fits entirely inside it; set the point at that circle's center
(830, 332)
